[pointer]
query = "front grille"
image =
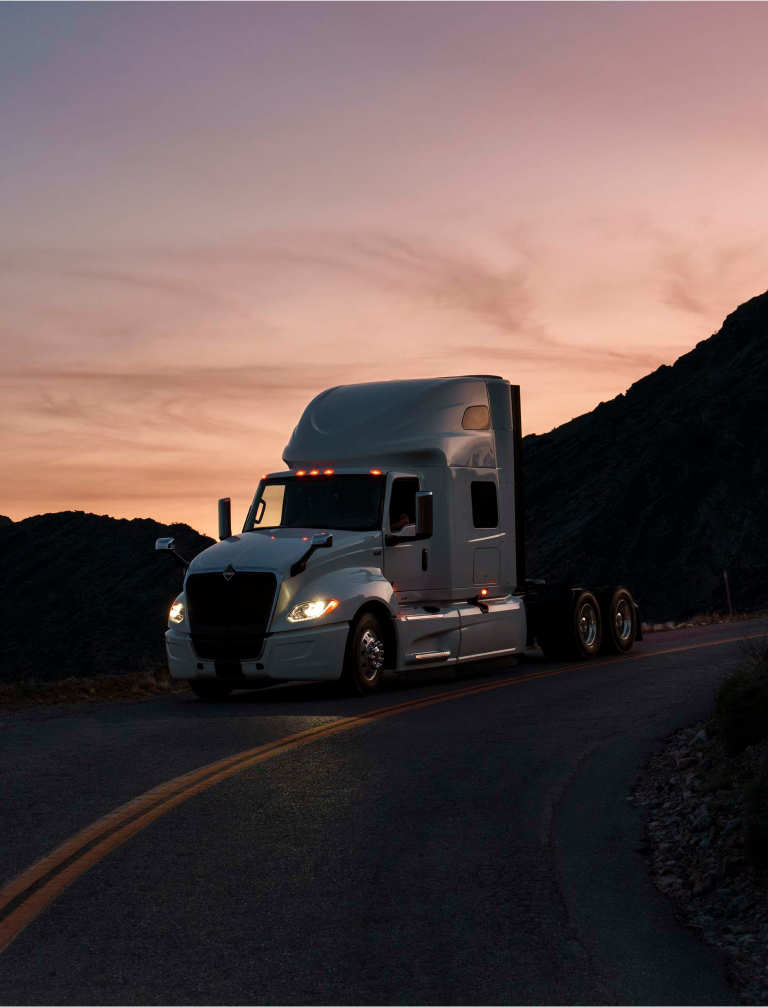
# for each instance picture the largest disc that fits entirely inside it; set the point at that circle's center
(229, 618)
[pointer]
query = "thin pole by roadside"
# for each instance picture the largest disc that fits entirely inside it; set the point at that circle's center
(727, 592)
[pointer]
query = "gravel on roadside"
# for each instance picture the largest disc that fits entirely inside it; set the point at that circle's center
(694, 803)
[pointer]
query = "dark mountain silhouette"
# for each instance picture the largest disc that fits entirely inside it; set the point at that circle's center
(83, 594)
(666, 486)
(660, 489)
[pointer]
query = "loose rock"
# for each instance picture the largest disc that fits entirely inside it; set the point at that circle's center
(695, 833)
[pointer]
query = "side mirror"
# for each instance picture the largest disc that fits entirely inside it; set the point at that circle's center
(169, 545)
(225, 518)
(424, 514)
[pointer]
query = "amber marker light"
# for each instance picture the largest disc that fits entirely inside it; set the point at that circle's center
(301, 472)
(375, 472)
(484, 592)
(328, 472)
(315, 472)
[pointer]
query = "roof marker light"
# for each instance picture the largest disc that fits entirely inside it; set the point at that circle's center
(375, 472)
(301, 472)
(328, 472)
(315, 472)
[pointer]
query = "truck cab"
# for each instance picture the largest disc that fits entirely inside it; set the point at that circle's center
(392, 541)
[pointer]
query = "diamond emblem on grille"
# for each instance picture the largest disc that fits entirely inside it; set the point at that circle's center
(229, 573)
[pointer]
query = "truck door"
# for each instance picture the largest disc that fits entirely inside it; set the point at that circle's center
(498, 626)
(403, 561)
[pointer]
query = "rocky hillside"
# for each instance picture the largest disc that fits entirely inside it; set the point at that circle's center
(82, 594)
(665, 486)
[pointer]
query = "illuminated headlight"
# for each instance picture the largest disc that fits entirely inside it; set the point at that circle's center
(176, 615)
(312, 610)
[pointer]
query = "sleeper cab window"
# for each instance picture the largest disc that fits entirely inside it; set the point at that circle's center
(402, 503)
(476, 418)
(485, 506)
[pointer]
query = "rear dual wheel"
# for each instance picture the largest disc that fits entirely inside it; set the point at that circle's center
(620, 621)
(579, 635)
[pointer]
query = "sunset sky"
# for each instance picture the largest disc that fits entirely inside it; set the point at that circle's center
(209, 213)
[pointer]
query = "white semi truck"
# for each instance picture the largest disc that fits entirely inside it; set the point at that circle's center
(393, 541)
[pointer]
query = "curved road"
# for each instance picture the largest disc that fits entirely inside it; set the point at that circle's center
(474, 850)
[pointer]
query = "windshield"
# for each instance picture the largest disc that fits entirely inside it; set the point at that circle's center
(344, 502)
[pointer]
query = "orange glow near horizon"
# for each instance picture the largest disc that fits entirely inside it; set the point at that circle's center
(299, 196)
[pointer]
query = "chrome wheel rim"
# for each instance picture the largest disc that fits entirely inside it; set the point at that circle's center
(588, 624)
(371, 655)
(623, 620)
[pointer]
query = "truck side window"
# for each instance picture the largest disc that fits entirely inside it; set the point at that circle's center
(272, 498)
(485, 506)
(402, 503)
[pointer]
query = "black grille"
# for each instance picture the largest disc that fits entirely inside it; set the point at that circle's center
(229, 618)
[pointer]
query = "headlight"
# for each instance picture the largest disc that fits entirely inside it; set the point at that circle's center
(312, 610)
(176, 615)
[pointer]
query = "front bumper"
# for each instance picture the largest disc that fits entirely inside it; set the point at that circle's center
(299, 655)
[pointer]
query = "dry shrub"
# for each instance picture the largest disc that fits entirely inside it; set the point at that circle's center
(741, 700)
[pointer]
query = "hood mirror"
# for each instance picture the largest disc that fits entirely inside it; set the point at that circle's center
(169, 545)
(320, 540)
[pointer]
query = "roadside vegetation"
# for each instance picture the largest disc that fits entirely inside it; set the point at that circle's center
(741, 710)
(150, 680)
(703, 619)
(741, 700)
(705, 799)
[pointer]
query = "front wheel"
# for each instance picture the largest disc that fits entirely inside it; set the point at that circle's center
(364, 659)
(213, 692)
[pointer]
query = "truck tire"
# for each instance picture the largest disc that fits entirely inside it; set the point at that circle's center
(578, 634)
(212, 692)
(619, 621)
(364, 658)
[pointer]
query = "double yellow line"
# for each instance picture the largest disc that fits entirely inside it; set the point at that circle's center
(30, 892)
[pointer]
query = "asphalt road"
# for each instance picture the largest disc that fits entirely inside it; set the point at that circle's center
(474, 851)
